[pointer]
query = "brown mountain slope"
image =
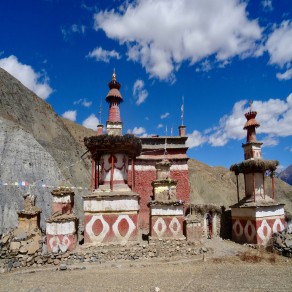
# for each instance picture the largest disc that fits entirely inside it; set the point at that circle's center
(36, 147)
(78, 132)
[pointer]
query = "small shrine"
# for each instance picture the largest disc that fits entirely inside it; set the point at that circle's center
(257, 216)
(111, 209)
(61, 227)
(166, 212)
(28, 229)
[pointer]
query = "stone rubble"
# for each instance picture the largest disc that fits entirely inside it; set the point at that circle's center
(154, 249)
(282, 243)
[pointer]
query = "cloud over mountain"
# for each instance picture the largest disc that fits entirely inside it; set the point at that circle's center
(91, 122)
(70, 115)
(35, 81)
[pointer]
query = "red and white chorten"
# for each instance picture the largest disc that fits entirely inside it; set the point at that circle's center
(111, 210)
(141, 170)
(61, 227)
(257, 216)
(166, 212)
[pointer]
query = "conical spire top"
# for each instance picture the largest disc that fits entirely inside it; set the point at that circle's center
(114, 87)
(251, 124)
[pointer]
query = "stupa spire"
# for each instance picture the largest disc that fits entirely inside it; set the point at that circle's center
(114, 98)
(251, 124)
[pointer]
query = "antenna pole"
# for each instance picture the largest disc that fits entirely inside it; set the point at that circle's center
(100, 111)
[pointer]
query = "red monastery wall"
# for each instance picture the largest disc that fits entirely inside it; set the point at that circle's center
(143, 180)
(144, 188)
(182, 188)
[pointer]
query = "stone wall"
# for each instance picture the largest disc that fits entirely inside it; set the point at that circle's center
(156, 249)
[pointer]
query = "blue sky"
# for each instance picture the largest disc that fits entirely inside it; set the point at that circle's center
(217, 54)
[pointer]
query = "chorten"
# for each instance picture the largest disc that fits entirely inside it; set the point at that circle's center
(257, 216)
(111, 209)
(61, 227)
(166, 212)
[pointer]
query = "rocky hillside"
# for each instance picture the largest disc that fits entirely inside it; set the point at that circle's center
(286, 175)
(36, 148)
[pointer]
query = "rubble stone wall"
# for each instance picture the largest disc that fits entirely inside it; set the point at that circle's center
(162, 249)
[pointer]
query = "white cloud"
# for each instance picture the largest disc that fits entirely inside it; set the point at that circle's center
(160, 126)
(74, 28)
(83, 101)
(206, 66)
(162, 34)
(279, 44)
(36, 82)
(103, 55)
(274, 115)
(78, 28)
(196, 139)
(270, 141)
(91, 122)
(139, 92)
(267, 5)
(137, 131)
(164, 116)
(285, 76)
(70, 115)
(87, 103)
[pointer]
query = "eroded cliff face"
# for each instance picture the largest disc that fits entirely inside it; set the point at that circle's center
(35, 147)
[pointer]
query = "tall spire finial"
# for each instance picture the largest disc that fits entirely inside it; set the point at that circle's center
(250, 104)
(100, 111)
(114, 77)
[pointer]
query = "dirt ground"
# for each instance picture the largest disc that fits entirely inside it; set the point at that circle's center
(223, 270)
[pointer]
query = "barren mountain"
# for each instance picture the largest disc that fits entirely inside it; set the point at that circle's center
(35, 147)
